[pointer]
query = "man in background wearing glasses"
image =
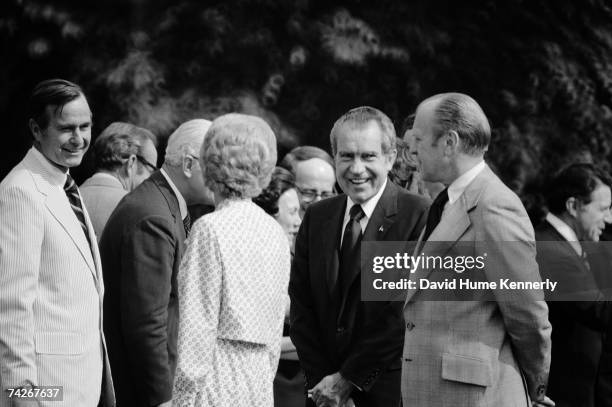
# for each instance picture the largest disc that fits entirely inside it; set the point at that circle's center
(313, 169)
(124, 156)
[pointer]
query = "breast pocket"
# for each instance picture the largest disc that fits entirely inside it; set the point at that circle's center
(58, 343)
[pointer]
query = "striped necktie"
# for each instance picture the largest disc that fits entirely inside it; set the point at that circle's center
(187, 224)
(72, 192)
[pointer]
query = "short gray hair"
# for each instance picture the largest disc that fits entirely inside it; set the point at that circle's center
(359, 117)
(461, 113)
(238, 155)
(117, 142)
(186, 139)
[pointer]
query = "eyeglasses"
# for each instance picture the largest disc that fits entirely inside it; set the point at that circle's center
(310, 194)
(146, 163)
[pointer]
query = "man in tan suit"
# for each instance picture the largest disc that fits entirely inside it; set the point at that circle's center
(494, 348)
(50, 275)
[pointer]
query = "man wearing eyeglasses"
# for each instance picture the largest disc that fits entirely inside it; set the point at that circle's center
(141, 250)
(313, 170)
(124, 156)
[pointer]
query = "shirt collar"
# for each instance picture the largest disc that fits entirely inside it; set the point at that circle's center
(56, 175)
(369, 205)
(563, 228)
(458, 186)
(181, 200)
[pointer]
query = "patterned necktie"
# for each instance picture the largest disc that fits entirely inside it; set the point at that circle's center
(435, 213)
(187, 224)
(72, 192)
(349, 251)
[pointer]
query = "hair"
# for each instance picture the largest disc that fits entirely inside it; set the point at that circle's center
(51, 92)
(461, 113)
(405, 166)
(359, 117)
(117, 142)
(186, 139)
(304, 153)
(238, 155)
(282, 181)
(407, 124)
(577, 180)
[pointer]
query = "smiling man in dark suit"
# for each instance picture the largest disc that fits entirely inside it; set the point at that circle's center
(351, 349)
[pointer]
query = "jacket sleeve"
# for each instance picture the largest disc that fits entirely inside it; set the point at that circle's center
(147, 263)
(21, 235)
(199, 289)
(509, 241)
(304, 330)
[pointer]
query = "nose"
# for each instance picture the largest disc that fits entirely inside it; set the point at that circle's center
(357, 167)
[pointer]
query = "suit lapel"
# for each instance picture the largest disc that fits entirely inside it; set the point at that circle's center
(331, 227)
(454, 223)
(378, 226)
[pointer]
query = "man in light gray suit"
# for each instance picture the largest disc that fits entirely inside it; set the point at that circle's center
(494, 348)
(51, 285)
(124, 156)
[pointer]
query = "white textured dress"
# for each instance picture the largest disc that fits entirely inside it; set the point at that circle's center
(232, 287)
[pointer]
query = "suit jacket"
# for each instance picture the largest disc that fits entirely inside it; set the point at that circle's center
(479, 352)
(141, 248)
(361, 340)
(51, 289)
(578, 326)
(101, 193)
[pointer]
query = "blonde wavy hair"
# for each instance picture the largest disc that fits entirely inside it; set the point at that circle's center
(238, 155)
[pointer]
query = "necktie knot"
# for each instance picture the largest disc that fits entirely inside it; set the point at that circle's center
(356, 213)
(70, 185)
(435, 212)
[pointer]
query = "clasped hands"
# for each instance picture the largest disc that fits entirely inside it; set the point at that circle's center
(332, 391)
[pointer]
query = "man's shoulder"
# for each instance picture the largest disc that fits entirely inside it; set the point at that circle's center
(411, 201)
(146, 201)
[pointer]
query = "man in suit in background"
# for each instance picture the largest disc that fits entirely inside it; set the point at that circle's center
(478, 352)
(50, 275)
(141, 248)
(578, 200)
(124, 156)
(349, 348)
(313, 170)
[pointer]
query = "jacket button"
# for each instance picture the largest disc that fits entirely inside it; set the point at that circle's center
(340, 329)
(407, 360)
(409, 326)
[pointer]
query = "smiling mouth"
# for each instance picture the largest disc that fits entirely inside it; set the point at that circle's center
(78, 150)
(359, 181)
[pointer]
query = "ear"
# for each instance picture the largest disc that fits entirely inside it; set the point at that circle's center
(35, 130)
(452, 141)
(571, 206)
(131, 165)
(391, 156)
(187, 165)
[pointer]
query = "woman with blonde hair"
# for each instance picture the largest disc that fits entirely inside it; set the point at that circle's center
(233, 278)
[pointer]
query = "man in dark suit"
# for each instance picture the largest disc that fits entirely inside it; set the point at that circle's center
(349, 349)
(579, 205)
(141, 248)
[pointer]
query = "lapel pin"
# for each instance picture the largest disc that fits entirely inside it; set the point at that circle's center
(381, 229)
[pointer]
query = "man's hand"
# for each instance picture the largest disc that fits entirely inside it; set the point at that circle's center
(545, 402)
(332, 391)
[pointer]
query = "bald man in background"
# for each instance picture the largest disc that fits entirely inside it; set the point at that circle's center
(313, 169)
(141, 248)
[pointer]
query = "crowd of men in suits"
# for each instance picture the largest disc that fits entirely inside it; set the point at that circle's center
(88, 296)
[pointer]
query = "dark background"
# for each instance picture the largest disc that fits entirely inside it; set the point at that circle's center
(542, 70)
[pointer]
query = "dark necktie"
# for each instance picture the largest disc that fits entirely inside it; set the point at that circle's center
(435, 213)
(187, 224)
(349, 250)
(72, 192)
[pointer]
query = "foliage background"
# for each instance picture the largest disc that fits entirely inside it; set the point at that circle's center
(541, 69)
